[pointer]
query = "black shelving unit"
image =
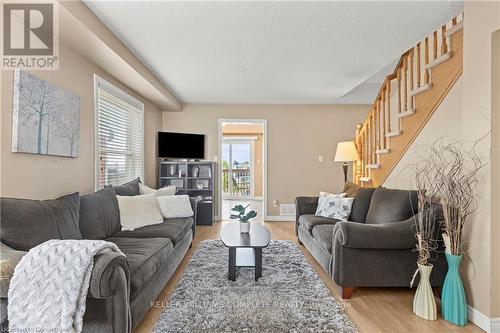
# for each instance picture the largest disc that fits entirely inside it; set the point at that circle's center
(195, 179)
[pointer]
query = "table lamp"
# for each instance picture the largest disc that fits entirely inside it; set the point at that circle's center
(346, 152)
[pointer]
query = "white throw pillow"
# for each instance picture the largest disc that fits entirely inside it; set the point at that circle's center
(175, 206)
(335, 207)
(335, 195)
(167, 190)
(138, 211)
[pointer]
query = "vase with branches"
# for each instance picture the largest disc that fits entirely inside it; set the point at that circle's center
(451, 171)
(426, 228)
(243, 217)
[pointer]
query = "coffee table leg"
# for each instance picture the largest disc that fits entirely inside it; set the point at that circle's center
(231, 273)
(258, 263)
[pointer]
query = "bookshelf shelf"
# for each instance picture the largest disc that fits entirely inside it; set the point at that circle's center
(195, 179)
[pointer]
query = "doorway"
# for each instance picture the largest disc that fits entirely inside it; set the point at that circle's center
(242, 166)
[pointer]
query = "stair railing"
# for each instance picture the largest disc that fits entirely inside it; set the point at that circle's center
(396, 98)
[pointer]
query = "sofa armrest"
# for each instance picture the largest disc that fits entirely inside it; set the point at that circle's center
(194, 207)
(389, 236)
(304, 205)
(104, 281)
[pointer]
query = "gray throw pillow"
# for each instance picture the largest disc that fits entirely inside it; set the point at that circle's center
(128, 189)
(361, 204)
(28, 223)
(99, 214)
(390, 205)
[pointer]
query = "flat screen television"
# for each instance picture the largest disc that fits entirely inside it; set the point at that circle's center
(181, 145)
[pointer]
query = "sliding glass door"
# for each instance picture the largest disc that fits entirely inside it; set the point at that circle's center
(237, 168)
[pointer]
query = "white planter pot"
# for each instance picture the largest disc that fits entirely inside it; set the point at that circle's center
(424, 304)
(244, 227)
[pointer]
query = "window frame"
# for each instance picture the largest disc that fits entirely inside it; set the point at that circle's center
(100, 82)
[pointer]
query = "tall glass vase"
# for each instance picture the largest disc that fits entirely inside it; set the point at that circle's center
(424, 304)
(453, 305)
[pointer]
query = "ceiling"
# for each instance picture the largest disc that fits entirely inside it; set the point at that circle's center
(272, 52)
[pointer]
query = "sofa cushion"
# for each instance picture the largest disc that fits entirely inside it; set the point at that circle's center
(309, 221)
(323, 233)
(161, 192)
(390, 205)
(145, 258)
(28, 223)
(128, 189)
(99, 214)
(175, 206)
(138, 211)
(174, 229)
(361, 204)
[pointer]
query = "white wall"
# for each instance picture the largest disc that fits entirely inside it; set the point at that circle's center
(297, 135)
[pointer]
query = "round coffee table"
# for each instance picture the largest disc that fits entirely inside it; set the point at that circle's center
(257, 239)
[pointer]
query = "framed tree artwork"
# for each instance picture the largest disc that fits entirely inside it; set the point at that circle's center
(46, 119)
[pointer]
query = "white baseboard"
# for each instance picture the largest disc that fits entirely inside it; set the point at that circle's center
(495, 325)
(487, 324)
(280, 218)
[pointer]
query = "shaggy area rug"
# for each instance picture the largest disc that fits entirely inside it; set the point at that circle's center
(289, 297)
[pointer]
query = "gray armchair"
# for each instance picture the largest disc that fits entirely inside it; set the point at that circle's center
(375, 248)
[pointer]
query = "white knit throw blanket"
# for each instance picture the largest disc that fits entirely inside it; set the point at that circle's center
(49, 287)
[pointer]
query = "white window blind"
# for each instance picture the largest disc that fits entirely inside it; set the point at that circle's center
(119, 135)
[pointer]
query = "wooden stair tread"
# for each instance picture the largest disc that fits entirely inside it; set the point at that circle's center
(373, 166)
(382, 151)
(439, 60)
(392, 134)
(453, 30)
(421, 89)
(406, 113)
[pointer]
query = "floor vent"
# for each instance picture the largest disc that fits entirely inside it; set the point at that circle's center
(287, 209)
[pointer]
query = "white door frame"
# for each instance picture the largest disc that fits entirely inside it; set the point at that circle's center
(262, 122)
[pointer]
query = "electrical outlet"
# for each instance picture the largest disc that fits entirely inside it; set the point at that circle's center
(275, 203)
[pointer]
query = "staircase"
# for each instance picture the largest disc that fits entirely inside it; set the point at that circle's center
(407, 99)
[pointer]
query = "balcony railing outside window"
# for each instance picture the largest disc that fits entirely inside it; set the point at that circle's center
(239, 178)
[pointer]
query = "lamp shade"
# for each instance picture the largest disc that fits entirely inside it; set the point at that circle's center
(346, 152)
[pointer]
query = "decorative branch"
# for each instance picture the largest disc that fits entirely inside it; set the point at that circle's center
(447, 172)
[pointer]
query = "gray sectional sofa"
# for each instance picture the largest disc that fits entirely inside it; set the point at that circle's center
(122, 288)
(375, 247)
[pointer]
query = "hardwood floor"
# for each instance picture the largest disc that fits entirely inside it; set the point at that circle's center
(371, 309)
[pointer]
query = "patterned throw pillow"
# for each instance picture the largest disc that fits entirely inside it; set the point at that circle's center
(334, 207)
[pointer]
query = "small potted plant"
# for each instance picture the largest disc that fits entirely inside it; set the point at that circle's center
(243, 217)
